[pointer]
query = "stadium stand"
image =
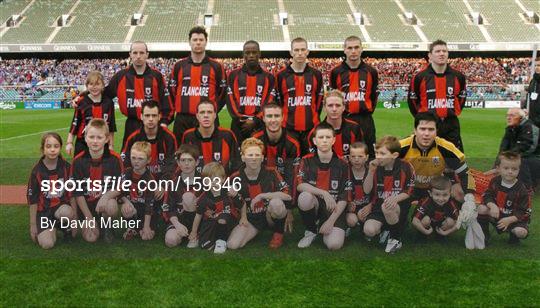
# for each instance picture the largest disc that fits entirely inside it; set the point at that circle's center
(99, 21)
(38, 22)
(504, 22)
(444, 19)
(311, 21)
(11, 7)
(532, 5)
(384, 22)
(169, 20)
(253, 20)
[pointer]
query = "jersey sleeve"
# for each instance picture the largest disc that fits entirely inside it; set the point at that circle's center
(166, 105)
(345, 193)
(523, 207)
(413, 96)
(76, 121)
(34, 189)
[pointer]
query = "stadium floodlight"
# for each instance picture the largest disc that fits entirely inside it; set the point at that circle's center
(136, 19)
(13, 20)
(477, 18)
(208, 20)
(358, 18)
(283, 18)
(532, 17)
(410, 17)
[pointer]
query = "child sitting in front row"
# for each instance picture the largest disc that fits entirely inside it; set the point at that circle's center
(438, 212)
(506, 202)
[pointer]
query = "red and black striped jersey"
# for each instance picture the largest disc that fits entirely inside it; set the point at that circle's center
(37, 192)
(359, 197)
(134, 194)
(85, 168)
(172, 199)
(437, 213)
(360, 86)
(268, 181)
(333, 177)
(162, 164)
(132, 90)
(444, 94)
(284, 155)
(347, 134)
(191, 82)
(512, 201)
(221, 146)
(247, 93)
(390, 183)
(210, 206)
(87, 110)
(300, 94)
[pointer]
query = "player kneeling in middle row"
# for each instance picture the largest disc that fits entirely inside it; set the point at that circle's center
(266, 192)
(390, 181)
(325, 188)
(438, 212)
(137, 203)
(218, 210)
(179, 206)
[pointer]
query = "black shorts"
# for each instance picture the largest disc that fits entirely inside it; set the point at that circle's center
(323, 214)
(185, 218)
(46, 218)
(377, 213)
(258, 220)
(207, 232)
(132, 124)
(450, 130)
(365, 120)
(92, 207)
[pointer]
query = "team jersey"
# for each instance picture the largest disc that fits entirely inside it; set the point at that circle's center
(444, 94)
(162, 164)
(191, 83)
(172, 200)
(359, 197)
(268, 181)
(300, 95)
(437, 213)
(512, 201)
(359, 86)
(433, 161)
(132, 90)
(87, 110)
(138, 197)
(85, 167)
(210, 206)
(347, 134)
(390, 183)
(333, 177)
(247, 93)
(221, 146)
(284, 155)
(45, 198)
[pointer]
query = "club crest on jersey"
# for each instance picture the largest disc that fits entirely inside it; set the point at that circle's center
(217, 156)
(204, 79)
(280, 160)
(362, 84)
(345, 147)
(396, 183)
(436, 160)
(334, 184)
(105, 117)
(148, 91)
(259, 89)
(450, 91)
(308, 88)
(161, 156)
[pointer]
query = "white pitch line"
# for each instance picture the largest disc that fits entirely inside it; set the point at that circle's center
(33, 134)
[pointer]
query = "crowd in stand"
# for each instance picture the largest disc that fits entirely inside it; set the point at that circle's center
(393, 71)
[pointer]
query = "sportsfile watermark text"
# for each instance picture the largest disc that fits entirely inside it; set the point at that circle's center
(111, 183)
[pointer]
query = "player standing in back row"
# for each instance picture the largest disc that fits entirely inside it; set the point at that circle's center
(359, 81)
(441, 90)
(194, 79)
(300, 91)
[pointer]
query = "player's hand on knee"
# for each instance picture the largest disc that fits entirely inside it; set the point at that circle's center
(493, 211)
(33, 232)
(326, 227)
(128, 210)
(182, 231)
(330, 202)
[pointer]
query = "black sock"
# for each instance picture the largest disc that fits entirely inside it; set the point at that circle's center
(395, 231)
(309, 218)
(279, 225)
(221, 232)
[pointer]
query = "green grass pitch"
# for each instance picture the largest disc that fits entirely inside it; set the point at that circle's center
(147, 273)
